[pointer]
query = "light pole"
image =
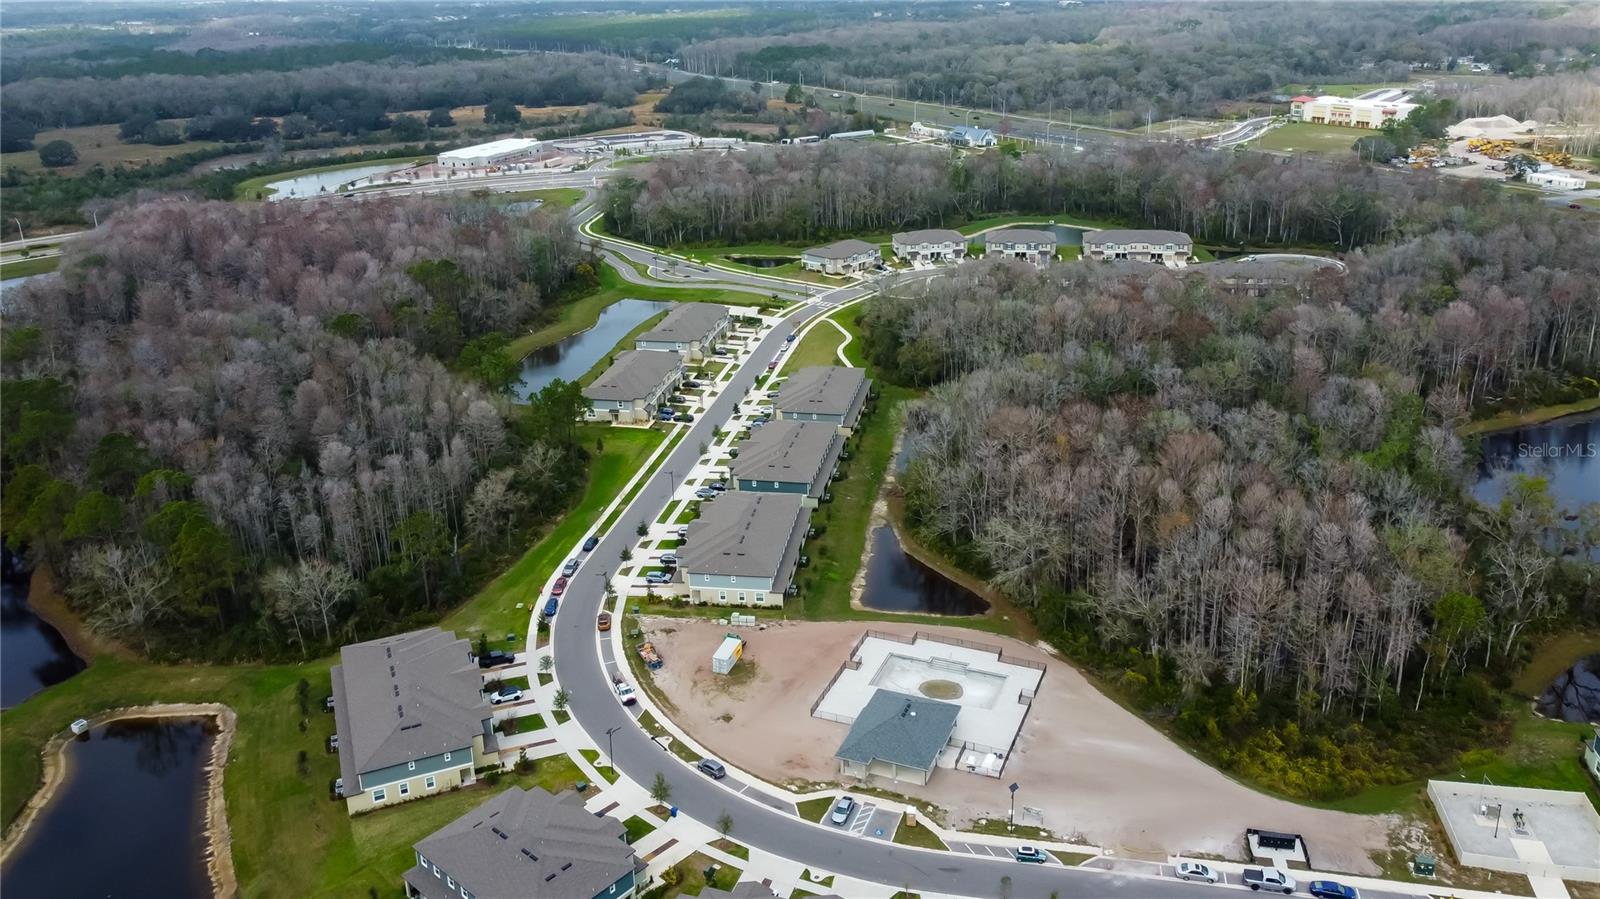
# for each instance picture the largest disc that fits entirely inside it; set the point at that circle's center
(20, 235)
(1011, 819)
(611, 759)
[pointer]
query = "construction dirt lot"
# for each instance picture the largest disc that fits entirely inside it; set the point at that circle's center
(1098, 772)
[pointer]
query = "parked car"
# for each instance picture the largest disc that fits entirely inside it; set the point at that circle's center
(571, 568)
(494, 658)
(603, 622)
(691, 383)
(559, 587)
(658, 577)
(675, 398)
(337, 788)
(1269, 879)
(1331, 889)
(683, 532)
(551, 607)
(720, 351)
(664, 415)
(683, 416)
(712, 768)
(842, 810)
(590, 544)
(790, 338)
(669, 559)
(625, 692)
(1032, 855)
(1196, 871)
(718, 486)
(773, 365)
(505, 694)
(333, 743)
(836, 95)
(327, 704)
(704, 493)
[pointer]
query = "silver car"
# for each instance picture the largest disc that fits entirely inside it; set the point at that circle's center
(842, 810)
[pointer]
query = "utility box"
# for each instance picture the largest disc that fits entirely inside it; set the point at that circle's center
(1424, 865)
(728, 654)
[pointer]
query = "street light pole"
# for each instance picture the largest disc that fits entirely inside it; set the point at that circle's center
(20, 235)
(611, 759)
(1011, 820)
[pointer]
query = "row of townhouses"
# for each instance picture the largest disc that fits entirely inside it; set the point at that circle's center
(639, 381)
(1034, 246)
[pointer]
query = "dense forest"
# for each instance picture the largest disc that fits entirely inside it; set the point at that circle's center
(843, 189)
(1118, 64)
(239, 430)
(545, 80)
(1249, 513)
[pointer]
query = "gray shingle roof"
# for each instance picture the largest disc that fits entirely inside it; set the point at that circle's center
(686, 322)
(745, 535)
(823, 389)
(971, 132)
(1018, 235)
(633, 375)
(907, 730)
(843, 249)
(930, 235)
(1126, 236)
(794, 452)
(405, 697)
(527, 843)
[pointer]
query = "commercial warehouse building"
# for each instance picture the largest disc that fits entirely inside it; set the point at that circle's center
(1349, 112)
(1555, 181)
(491, 153)
(744, 548)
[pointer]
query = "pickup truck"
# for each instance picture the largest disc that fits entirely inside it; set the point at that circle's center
(1269, 879)
(625, 692)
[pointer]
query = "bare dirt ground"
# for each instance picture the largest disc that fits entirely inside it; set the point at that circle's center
(1093, 767)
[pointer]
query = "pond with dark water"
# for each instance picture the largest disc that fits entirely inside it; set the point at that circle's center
(896, 582)
(33, 654)
(1575, 695)
(1566, 452)
(762, 261)
(127, 822)
(568, 359)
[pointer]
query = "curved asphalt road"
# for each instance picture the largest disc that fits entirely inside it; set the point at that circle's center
(580, 666)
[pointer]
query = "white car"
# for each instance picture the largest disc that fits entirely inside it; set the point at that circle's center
(505, 694)
(842, 810)
(625, 693)
(1196, 871)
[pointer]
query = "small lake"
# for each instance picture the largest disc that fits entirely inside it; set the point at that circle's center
(1066, 235)
(1575, 695)
(1565, 451)
(570, 358)
(127, 822)
(896, 582)
(32, 653)
(762, 261)
(324, 182)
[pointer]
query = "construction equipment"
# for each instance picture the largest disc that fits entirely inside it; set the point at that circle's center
(648, 654)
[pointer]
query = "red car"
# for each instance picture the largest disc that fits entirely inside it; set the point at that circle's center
(560, 587)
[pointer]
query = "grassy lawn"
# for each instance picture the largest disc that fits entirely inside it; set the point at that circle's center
(638, 828)
(1553, 656)
(592, 756)
(21, 268)
(1304, 137)
(814, 809)
(1071, 858)
(98, 145)
(256, 188)
(736, 850)
(1335, 90)
(918, 836)
(526, 724)
(554, 197)
(818, 347)
(493, 611)
(1533, 416)
(582, 313)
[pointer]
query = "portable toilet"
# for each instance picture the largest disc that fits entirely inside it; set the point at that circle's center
(727, 655)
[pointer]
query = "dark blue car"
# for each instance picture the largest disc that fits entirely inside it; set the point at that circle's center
(1329, 889)
(550, 607)
(590, 544)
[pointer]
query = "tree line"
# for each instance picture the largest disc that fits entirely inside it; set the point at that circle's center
(238, 430)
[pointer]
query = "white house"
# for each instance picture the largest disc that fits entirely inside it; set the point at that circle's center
(970, 136)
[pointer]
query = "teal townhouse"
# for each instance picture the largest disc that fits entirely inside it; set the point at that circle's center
(829, 394)
(526, 844)
(789, 457)
(411, 718)
(691, 329)
(744, 548)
